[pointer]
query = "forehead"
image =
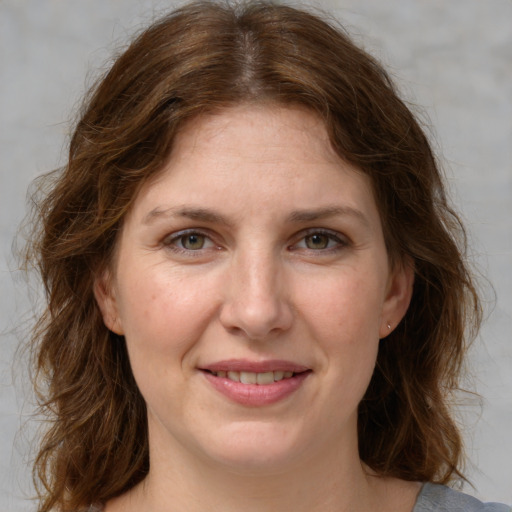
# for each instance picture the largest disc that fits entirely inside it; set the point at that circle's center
(266, 130)
(252, 155)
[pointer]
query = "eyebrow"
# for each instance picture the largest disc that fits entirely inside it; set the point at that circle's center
(327, 212)
(213, 217)
(193, 213)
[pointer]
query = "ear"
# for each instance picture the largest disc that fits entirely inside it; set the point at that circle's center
(398, 297)
(106, 299)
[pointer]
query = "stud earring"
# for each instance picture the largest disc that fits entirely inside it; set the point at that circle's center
(389, 327)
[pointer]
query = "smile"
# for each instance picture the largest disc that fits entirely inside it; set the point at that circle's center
(262, 379)
(256, 384)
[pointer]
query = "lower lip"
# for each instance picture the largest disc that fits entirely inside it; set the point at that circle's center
(255, 394)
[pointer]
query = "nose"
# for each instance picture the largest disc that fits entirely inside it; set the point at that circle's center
(257, 302)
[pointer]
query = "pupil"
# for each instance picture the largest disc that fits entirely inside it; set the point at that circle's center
(317, 241)
(193, 242)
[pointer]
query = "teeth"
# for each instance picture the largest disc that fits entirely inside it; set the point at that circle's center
(265, 378)
(248, 378)
(255, 378)
(278, 376)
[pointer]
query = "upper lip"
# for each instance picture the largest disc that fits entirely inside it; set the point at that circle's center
(244, 365)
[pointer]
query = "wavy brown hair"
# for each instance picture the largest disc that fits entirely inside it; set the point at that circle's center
(202, 58)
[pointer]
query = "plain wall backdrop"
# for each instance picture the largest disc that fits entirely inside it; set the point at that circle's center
(454, 59)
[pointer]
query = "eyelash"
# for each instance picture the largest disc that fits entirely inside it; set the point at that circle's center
(171, 241)
(340, 241)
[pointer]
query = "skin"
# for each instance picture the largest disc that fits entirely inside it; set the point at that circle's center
(261, 280)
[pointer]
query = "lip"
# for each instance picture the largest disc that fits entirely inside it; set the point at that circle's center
(255, 395)
(244, 365)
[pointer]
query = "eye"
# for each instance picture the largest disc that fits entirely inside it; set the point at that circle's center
(317, 241)
(320, 240)
(192, 242)
(188, 241)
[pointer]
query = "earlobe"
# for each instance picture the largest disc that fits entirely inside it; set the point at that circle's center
(106, 300)
(398, 297)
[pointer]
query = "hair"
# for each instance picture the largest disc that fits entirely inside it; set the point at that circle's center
(202, 58)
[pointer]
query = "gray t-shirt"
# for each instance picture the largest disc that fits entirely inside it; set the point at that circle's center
(439, 498)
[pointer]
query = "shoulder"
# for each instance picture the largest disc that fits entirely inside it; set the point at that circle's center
(439, 498)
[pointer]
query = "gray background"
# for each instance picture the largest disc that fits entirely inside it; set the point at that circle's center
(454, 58)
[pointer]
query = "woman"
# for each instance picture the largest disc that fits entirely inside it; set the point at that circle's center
(256, 292)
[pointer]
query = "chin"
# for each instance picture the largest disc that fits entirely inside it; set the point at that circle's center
(252, 448)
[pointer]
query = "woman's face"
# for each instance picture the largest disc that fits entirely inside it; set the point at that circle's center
(257, 255)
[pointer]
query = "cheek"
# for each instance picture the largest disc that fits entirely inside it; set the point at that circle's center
(347, 306)
(163, 312)
(164, 316)
(343, 316)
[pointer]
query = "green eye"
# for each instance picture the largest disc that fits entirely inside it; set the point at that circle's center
(321, 241)
(317, 241)
(192, 242)
(188, 242)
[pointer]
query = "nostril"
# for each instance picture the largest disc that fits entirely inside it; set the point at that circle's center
(255, 303)
(256, 322)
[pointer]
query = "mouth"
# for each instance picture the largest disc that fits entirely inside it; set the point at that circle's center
(259, 378)
(252, 383)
